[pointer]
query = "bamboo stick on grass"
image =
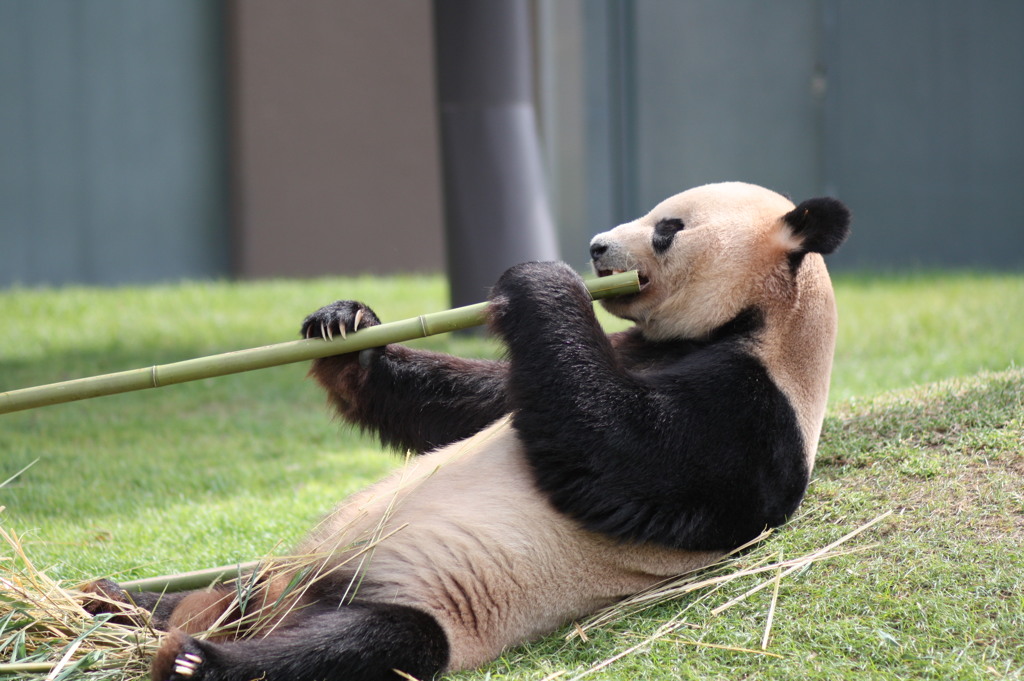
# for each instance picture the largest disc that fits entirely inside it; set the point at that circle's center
(186, 581)
(26, 668)
(238, 361)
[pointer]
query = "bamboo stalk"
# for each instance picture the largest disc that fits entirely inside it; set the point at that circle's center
(238, 361)
(26, 668)
(197, 579)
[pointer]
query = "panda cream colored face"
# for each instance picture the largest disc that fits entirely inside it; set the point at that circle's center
(703, 256)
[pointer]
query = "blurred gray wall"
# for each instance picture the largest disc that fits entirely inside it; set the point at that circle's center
(149, 140)
(912, 112)
(145, 140)
(924, 130)
(112, 142)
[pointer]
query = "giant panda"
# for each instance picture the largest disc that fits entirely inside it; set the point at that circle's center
(580, 469)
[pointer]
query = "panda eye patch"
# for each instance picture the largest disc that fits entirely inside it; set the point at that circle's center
(664, 232)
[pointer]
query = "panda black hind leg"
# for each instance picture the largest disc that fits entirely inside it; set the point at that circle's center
(361, 641)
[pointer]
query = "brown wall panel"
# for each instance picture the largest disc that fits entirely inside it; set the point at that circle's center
(336, 162)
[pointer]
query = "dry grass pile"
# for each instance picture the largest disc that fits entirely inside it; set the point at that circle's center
(710, 583)
(45, 632)
(44, 628)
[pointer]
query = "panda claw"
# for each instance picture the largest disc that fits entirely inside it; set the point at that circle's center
(341, 317)
(184, 667)
(186, 664)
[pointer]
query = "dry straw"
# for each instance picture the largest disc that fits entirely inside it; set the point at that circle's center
(45, 631)
(707, 583)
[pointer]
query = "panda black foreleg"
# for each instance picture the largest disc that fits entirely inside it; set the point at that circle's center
(413, 399)
(701, 457)
(361, 641)
(563, 368)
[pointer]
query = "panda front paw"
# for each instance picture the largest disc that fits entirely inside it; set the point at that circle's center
(341, 317)
(536, 292)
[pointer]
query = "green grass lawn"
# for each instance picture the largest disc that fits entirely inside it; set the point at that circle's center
(233, 468)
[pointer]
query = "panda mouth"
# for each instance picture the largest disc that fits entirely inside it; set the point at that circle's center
(644, 281)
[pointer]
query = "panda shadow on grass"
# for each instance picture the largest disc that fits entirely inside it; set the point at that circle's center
(581, 469)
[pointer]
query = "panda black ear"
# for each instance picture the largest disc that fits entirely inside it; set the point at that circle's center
(820, 225)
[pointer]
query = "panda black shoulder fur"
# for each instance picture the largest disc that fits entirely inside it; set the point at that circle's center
(584, 468)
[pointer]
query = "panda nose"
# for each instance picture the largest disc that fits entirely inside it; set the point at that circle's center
(597, 249)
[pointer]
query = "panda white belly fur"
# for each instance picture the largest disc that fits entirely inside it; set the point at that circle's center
(463, 534)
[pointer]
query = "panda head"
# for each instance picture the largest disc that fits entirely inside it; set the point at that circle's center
(711, 252)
